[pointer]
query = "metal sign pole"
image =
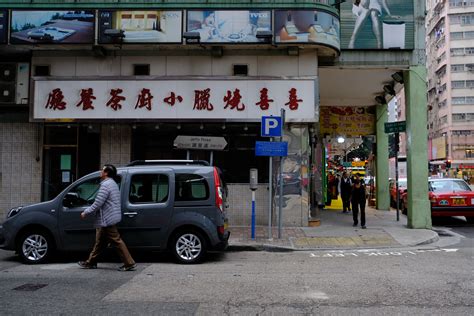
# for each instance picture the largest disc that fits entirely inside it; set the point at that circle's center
(280, 197)
(270, 195)
(397, 144)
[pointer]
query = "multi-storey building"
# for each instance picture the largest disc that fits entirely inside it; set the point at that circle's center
(450, 60)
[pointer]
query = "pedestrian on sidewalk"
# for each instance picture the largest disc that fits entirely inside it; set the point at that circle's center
(358, 201)
(345, 188)
(108, 212)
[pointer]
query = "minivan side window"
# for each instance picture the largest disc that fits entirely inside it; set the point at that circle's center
(148, 188)
(84, 193)
(191, 187)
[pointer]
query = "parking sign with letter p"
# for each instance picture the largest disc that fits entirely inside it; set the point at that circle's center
(271, 126)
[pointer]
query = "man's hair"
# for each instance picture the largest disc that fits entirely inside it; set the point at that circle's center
(110, 170)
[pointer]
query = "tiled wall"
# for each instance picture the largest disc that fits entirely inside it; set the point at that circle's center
(240, 205)
(115, 144)
(20, 173)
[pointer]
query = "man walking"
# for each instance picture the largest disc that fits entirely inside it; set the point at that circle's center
(358, 201)
(108, 213)
(345, 188)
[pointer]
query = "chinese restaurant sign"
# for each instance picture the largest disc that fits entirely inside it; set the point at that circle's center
(377, 24)
(175, 99)
(348, 121)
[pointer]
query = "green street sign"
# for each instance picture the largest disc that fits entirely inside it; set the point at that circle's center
(395, 127)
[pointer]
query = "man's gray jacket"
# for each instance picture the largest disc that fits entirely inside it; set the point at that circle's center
(106, 206)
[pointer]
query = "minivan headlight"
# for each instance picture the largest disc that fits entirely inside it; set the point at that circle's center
(14, 211)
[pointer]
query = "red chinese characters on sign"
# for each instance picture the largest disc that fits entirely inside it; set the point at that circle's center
(56, 100)
(264, 102)
(233, 100)
(171, 100)
(115, 99)
(201, 100)
(144, 99)
(87, 96)
(293, 102)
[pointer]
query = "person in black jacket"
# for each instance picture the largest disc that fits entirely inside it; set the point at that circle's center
(358, 201)
(345, 188)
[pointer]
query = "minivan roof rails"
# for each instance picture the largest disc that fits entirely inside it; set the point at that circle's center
(167, 162)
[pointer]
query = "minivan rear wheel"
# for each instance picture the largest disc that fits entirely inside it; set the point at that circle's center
(189, 246)
(35, 246)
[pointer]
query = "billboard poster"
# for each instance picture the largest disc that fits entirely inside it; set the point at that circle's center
(228, 26)
(52, 27)
(377, 24)
(139, 26)
(347, 120)
(3, 26)
(307, 27)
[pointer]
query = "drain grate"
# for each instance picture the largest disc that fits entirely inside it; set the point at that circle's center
(30, 287)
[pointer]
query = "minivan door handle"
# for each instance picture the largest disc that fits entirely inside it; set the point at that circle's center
(130, 214)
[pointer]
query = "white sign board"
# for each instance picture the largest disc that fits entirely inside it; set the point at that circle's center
(175, 99)
(200, 142)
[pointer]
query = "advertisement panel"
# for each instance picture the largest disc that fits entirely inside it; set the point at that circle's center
(228, 26)
(139, 26)
(52, 27)
(377, 24)
(307, 27)
(3, 26)
(438, 148)
(347, 121)
(175, 99)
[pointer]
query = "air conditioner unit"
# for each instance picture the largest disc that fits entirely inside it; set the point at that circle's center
(14, 83)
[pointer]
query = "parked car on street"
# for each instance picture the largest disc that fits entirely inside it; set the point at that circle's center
(177, 206)
(448, 197)
(402, 186)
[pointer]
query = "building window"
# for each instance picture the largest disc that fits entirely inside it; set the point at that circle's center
(240, 70)
(456, 35)
(457, 51)
(469, 153)
(467, 19)
(457, 68)
(469, 50)
(470, 117)
(469, 35)
(469, 100)
(458, 100)
(457, 84)
(459, 117)
(42, 70)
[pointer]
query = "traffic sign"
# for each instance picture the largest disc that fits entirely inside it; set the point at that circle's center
(271, 148)
(271, 126)
(200, 142)
(395, 127)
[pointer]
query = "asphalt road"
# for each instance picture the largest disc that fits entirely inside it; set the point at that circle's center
(431, 280)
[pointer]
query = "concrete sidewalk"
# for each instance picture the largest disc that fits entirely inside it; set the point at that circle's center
(336, 232)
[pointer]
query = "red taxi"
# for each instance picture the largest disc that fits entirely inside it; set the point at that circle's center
(449, 197)
(402, 186)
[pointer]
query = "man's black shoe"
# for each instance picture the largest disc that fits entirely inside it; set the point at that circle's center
(85, 265)
(128, 268)
(363, 227)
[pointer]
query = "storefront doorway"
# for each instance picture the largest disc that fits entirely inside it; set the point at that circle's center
(69, 152)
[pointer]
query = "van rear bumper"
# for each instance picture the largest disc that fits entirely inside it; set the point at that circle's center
(222, 245)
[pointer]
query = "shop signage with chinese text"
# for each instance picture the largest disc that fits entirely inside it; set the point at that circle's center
(200, 142)
(174, 99)
(347, 121)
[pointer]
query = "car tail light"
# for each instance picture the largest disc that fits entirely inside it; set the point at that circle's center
(218, 188)
(220, 230)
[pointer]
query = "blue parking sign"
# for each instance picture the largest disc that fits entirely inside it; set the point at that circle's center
(271, 126)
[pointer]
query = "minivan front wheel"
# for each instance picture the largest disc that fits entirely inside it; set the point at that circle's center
(35, 247)
(189, 246)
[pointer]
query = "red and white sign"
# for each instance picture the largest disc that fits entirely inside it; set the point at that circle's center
(175, 99)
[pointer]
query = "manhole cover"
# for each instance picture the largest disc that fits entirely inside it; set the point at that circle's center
(30, 287)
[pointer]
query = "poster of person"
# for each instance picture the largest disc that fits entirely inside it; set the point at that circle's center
(54, 27)
(3, 26)
(377, 24)
(347, 120)
(228, 26)
(308, 27)
(139, 26)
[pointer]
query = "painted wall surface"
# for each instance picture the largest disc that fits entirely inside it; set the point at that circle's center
(377, 24)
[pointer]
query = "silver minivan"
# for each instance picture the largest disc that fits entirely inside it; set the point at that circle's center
(166, 205)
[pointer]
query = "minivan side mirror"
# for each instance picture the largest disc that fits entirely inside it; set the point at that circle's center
(71, 199)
